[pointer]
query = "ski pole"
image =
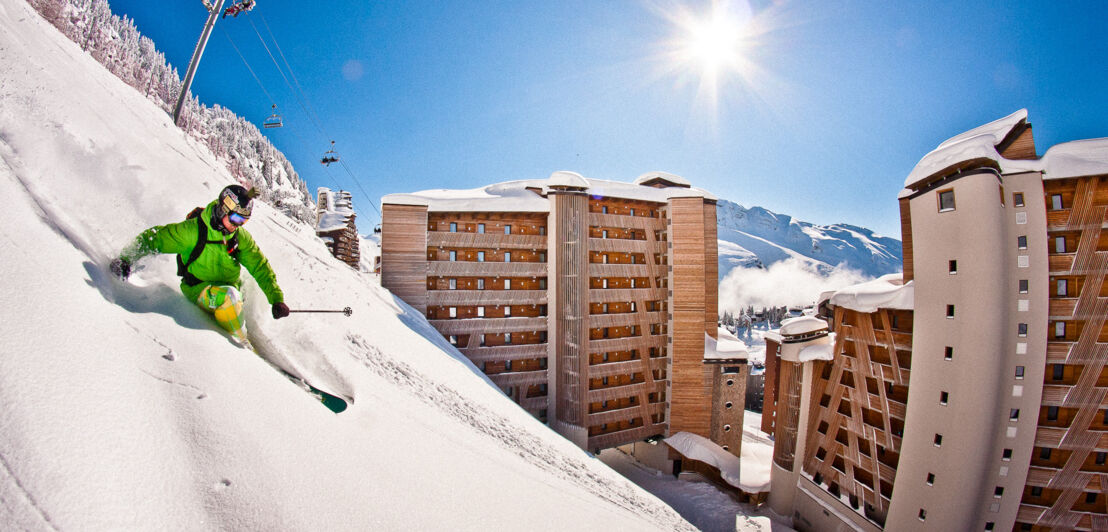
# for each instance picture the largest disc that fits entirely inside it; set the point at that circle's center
(347, 311)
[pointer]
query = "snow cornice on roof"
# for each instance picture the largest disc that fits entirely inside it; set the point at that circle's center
(529, 195)
(886, 292)
(981, 147)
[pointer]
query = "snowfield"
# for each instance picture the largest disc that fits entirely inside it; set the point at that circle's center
(126, 408)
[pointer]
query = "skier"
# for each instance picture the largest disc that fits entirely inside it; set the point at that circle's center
(211, 245)
(234, 10)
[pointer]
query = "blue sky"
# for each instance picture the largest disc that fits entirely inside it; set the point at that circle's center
(832, 106)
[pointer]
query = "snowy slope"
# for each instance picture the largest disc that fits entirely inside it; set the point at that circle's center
(124, 408)
(756, 237)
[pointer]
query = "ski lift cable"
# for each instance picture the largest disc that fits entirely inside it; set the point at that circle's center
(301, 98)
(288, 67)
(251, 70)
(359, 183)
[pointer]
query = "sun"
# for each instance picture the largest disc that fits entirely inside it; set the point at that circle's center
(714, 42)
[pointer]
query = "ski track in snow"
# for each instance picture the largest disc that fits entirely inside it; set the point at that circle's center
(501, 430)
(27, 497)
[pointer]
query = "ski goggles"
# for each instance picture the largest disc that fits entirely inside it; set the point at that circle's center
(237, 219)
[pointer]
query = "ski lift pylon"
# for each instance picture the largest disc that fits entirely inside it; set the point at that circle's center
(330, 156)
(274, 119)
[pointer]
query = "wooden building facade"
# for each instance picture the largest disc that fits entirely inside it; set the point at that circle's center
(335, 225)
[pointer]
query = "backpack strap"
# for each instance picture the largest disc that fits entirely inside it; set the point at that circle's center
(201, 243)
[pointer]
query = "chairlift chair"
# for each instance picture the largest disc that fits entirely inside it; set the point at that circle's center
(274, 119)
(330, 156)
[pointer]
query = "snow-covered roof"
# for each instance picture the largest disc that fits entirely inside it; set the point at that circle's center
(750, 475)
(515, 196)
(888, 291)
(334, 210)
(817, 352)
(1070, 159)
(802, 325)
(727, 347)
(672, 179)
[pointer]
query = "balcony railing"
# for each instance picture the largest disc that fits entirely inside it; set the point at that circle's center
(485, 240)
(461, 298)
(486, 269)
(613, 439)
(488, 325)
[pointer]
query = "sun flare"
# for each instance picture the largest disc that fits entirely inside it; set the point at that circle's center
(713, 42)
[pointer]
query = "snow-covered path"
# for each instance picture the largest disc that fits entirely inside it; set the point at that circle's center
(125, 408)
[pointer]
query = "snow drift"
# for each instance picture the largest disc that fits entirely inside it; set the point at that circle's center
(124, 406)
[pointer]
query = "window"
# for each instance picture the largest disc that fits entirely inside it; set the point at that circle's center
(507, 284)
(1059, 372)
(604, 259)
(1021, 241)
(946, 200)
(453, 227)
(1036, 491)
(998, 491)
(604, 283)
(1059, 244)
(453, 256)
(930, 479)
(938, 440)
(508, 229)
(1019, 372)
(507, 256)
(453, 340)
(480, 284)
(1017, 199)
(605, 308)
(1021, 329)
(632, 306)
(1024, 286)
(950, 311)
(453, 312)
(604, 234)
(989, 525)
(1101, 458)
(483, 338)
(1044, 453)
(508, 363)
(453, 284)
(1056, 201)
(542, 256)
(1052, 413)
(604, 209)
(507, 311)
(1063, 287)
(953, 266)
(949, 353)
(542, 230)
(508, 340)
(632, 212)
(481, 228)
(1014, 414)
(1090, 498)
(1006, 455)
(542, 284)
(480, 312)
(1059, 329)
(542, 339)
(944, 398)
(922, 514)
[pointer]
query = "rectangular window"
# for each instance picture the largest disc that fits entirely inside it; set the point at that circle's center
(604, 283)
(1056, 201)
(1059, 329)
(453, 227)
(1006, 455)
(1021, 241)
(1059, 372)
(604, 259)
(1063, 288)
(480, 312)
(953, 266)
(604, 233)
(950, 311)
(604, 209)
(938, 440)
(1014, 414)
(1017, 199)
(1090, 498)
(922, 514)
(480, 256)
(632, 306)
(944, 398)
(453, 284)
(542, 256)
(507, 256)
(632, 212)
(930, 479)
(1021, 329)
(946, 200)
(481, 228)
(507, 284)
(1052, 413)
(989, 525)
(605, 307)
(453, 256)
(542, 230)
(949, 353)
(542, 284)
(1059, 244)
(1019, 372)
(453, 312)
(507, 311)
(1036, 491)
(508, 229)
(453, 340)
(483, 339)
(1044, 453)
(1024, 286)
(1101, 458)
(998, 492)
(508, 338)
(480, 284)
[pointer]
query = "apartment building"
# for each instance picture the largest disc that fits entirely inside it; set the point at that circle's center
(589, 302)
(335, 224)
(996, 417)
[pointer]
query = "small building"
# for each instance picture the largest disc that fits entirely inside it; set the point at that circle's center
(335, 224)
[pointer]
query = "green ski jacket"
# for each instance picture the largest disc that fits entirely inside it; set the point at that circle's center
(215, 265)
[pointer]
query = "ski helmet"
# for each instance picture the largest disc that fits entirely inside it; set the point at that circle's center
(233, 200)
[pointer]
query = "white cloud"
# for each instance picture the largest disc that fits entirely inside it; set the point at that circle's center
(790, 282)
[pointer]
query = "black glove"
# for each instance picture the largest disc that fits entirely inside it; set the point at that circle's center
(280, 310)
(121, 268)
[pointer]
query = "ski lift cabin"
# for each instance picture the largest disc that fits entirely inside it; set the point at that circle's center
(330, 156)
(274, 119)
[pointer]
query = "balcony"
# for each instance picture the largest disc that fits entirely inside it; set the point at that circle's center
(627, 343)
(627, 222)
(613, 439)
(623, 245)
(625, 319)
(462, 298)
(486, 269)
(519, 378)
(619, 295)
(1062, 308)
(626, 414)
(627, 390)
(485, 240)
(626, 367)
(488, 325)
(1061, 264)
(503, 353)
(623, 270)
